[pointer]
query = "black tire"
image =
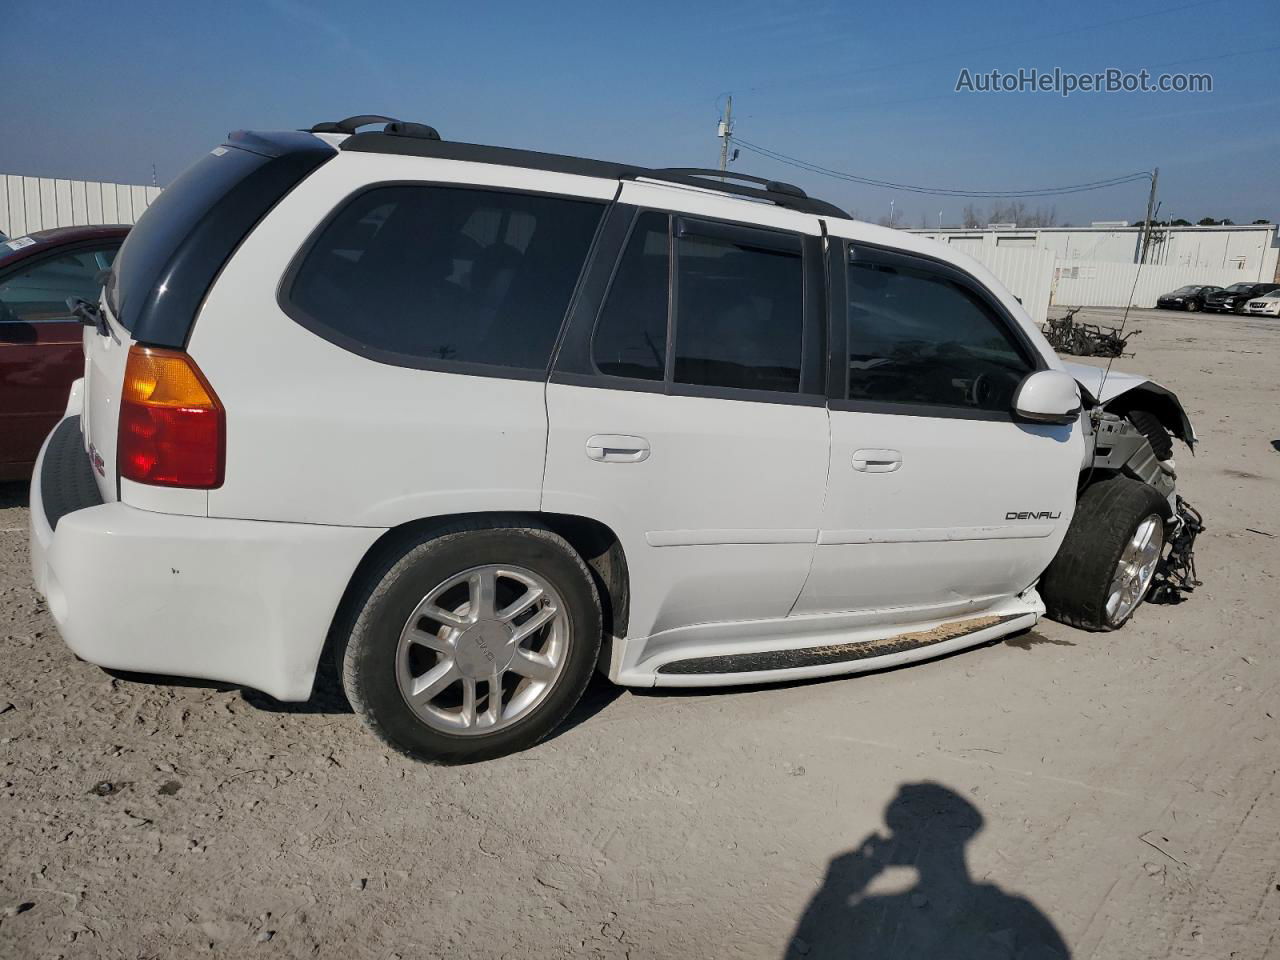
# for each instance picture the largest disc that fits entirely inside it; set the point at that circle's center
(1192, 306)
(366, 638)
(1075, 585)
(1151, 427)
(1238, 309)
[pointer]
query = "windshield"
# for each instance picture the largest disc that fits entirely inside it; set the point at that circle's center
(1239, 287)
(1183, 291)
(10, 247)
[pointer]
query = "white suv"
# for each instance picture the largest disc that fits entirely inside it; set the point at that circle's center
(478, 421)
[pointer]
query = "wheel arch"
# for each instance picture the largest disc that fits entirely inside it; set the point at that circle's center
(598, 545)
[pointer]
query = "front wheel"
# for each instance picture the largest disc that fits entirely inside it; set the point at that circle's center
(471, 643)
(1192, 306)
(1106, 563)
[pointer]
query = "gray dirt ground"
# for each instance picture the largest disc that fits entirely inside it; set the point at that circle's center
(1128, 782)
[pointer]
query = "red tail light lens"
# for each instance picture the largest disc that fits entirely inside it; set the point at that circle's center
(172, 427)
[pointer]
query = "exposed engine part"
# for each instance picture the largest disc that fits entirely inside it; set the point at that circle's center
(1084, 339)
(1120, 445)
(1176, 575)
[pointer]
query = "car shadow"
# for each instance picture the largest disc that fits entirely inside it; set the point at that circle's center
(860, 913)
(15, 493)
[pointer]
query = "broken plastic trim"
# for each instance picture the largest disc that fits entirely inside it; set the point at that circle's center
(1176, 576)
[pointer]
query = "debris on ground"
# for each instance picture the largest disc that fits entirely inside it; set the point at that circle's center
(1065, 335)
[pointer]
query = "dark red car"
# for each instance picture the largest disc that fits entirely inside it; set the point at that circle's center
(40, 339)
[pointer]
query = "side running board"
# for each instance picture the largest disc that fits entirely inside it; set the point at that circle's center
(835, 653)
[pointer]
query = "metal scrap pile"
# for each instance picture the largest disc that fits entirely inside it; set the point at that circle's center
(1084, 339)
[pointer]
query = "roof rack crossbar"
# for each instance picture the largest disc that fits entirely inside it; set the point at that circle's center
(351, 124)
(773, 186)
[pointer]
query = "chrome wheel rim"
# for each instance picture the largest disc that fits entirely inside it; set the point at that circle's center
(1138, 562)
(482, 649)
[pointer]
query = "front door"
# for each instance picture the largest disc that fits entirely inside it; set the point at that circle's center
(687, 415)
(939, 501)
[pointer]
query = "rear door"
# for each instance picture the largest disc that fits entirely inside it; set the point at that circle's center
(40, 343)
(687, 413)
(938, 499)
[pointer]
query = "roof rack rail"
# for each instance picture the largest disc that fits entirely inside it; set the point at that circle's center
(394, 127)
(413, 139)
(772, 186)
(780, 194)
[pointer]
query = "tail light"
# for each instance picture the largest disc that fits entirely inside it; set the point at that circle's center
(172, 426)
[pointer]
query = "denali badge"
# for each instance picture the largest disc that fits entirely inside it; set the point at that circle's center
(1033, 515)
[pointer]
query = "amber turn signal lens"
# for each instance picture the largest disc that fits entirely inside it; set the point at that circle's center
(172, 427)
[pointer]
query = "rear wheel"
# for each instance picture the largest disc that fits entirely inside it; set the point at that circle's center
(472, 643)
(1105, 566)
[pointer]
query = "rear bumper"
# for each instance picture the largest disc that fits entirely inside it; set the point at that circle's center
(240, 601)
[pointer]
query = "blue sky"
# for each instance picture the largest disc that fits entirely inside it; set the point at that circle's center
(865, 87)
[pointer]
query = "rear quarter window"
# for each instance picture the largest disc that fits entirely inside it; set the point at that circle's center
(440, 277)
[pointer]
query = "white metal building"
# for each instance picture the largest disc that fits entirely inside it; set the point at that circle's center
(1244, 252)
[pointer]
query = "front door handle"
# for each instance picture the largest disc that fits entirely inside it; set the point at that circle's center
(877, 461)
(616, 448)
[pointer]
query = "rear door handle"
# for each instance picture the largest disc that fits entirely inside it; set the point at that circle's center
(877, 461)
(616, 448)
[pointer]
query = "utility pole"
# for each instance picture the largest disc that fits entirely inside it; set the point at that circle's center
(1151, 204)
(724, 130)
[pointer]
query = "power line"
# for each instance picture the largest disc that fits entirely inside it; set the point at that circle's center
(939, 191)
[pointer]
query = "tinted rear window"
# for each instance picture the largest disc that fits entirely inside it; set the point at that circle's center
(167, 222)
(424, 275)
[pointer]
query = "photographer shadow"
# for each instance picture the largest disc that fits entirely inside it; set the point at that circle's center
(944, 914)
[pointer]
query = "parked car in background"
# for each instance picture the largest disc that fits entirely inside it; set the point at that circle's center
(1189, 298)
(1267, 305)
(41, 353)
(1234, 297)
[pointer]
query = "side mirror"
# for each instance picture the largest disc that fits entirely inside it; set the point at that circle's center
(1047, 396)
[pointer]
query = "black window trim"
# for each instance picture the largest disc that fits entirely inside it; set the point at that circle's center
(411, 361)
(574, 364)
(78, 246)
(840, 255)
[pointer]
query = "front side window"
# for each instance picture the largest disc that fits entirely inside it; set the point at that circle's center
(739, 315)
(631, 334)
(917, 337)
(39, 292)
(446, 274)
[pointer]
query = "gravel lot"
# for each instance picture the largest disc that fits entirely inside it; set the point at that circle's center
(1118, 789)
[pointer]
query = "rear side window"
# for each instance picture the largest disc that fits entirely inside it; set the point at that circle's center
(916, 337)
(740, 315)
(423, 275)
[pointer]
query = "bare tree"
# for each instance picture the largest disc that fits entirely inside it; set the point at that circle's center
(894, 220)
(971, 216)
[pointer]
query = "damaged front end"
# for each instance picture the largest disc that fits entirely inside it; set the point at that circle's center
(1132, 423)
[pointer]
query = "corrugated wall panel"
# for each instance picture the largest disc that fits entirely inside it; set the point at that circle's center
(79, 205)
(110, 211)
(17, 225)
(124, 204)
(39, 203)
(31, 200)
(93, 203)
(62, 202)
